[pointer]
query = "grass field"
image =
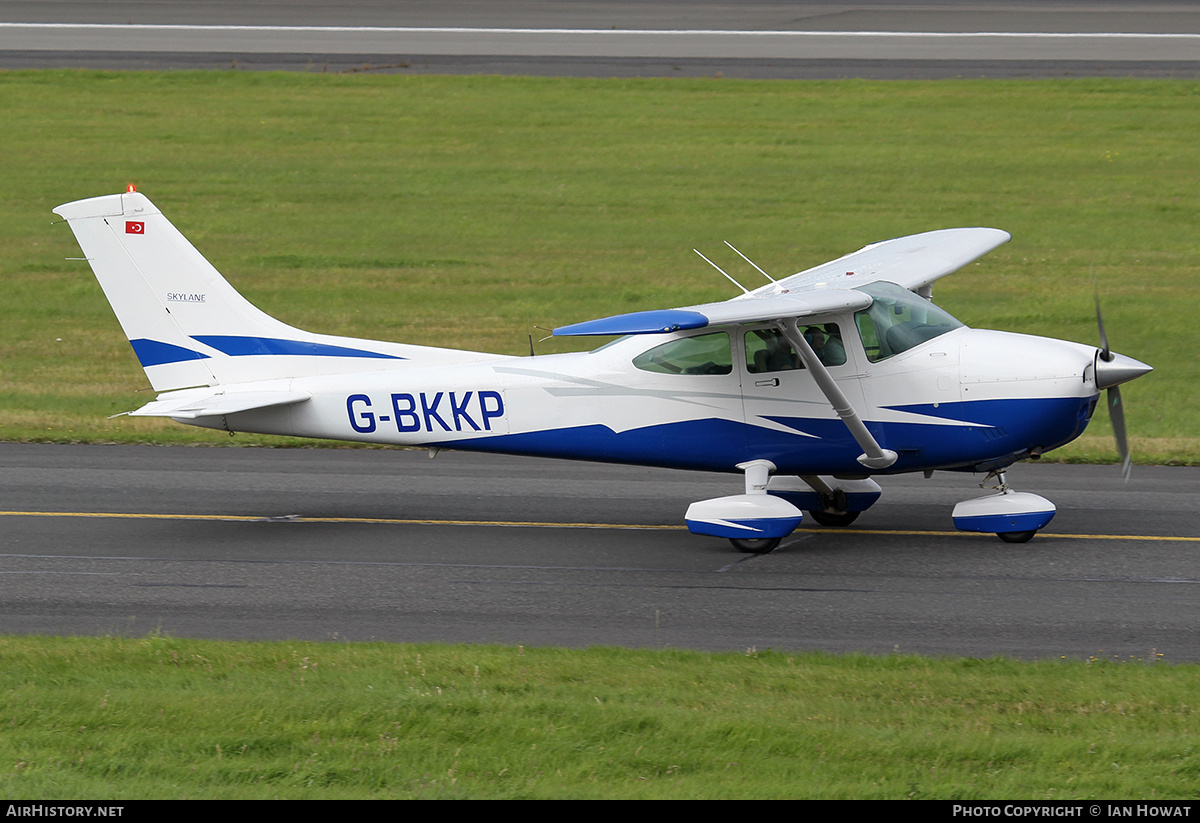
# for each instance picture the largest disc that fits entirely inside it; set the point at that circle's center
(468, 211)
(156, 717)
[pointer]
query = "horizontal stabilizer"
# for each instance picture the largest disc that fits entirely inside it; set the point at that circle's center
(211, 404)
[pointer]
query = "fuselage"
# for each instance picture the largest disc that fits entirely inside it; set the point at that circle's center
(965, 399)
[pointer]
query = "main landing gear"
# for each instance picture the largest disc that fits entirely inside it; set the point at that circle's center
(830, 502)
(771, 508)
(757, 521)
(755, 545)
(754, 522)
(1014, 517)
(833, 519)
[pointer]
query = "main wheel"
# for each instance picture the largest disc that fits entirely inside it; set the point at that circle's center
(834, 519)
(1016, 537)
(755, 545)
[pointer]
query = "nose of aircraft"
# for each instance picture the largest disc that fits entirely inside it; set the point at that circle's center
(1116, 369)
(1109, 371)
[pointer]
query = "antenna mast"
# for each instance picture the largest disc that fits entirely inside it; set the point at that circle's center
(722, 271)
(751, 262)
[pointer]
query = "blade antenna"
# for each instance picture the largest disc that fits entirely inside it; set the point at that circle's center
(722, 271)
(751, 262)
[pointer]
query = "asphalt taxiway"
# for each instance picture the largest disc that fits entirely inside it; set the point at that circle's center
(358, 544)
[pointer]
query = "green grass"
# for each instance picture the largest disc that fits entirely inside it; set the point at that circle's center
(466, 211)
(157, 717)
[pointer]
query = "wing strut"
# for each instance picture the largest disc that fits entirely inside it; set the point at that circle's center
(874, 456)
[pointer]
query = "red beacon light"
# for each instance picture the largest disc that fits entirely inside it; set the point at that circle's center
(130, 189)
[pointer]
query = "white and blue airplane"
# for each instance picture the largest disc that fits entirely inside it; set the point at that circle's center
(810, 386)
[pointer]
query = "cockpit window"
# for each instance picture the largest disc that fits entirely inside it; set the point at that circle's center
(898, 320)
(700, 354)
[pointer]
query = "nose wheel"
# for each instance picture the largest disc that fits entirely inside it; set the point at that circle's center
(1016, 537)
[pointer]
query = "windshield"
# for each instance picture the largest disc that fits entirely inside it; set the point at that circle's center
(898, 320)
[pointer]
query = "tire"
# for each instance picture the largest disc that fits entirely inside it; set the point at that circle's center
(1016, 537)
(834, 519)
(756, 545)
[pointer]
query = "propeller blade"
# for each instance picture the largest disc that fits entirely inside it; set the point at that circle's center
(1105, 353)
(1116, 414)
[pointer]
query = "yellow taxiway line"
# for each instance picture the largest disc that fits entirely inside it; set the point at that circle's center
(245, 518)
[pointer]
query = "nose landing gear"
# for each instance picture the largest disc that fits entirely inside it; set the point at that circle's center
(1014, 517)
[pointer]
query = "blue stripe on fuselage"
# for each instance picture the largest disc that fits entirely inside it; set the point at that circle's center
(1007, 428)
(157, 353)
(238, 346)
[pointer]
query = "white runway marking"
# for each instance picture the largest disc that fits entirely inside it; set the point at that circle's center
(602, 32)
(760, 44)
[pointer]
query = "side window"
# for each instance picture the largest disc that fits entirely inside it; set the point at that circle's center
(826, 342)
(701, 354)
(767, 350)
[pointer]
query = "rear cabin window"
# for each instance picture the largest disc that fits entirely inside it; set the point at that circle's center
(767, 350)
(701, 354)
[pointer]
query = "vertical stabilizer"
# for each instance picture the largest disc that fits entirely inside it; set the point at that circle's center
(187, 325)
(158, 286)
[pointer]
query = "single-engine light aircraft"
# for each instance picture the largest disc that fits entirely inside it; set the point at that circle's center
(810, 385)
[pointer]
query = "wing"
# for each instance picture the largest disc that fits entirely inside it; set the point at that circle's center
(912, 262)
(738, 310)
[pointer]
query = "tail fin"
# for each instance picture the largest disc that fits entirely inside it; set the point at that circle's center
(187, 325)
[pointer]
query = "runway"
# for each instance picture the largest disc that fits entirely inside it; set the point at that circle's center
(599, 38)
(390, 545)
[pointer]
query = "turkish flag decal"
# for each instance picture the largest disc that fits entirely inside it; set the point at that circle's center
(135, 227)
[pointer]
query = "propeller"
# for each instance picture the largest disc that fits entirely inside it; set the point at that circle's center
(1110, 371)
